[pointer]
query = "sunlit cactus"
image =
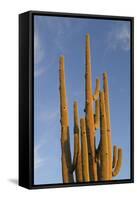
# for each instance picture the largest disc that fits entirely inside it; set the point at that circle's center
(96, 94)
(90, 162)
(107, 107)
(77, 159)
(84, 150)
(89, 112)
(97, 115)
(65, 141)
(104, 159)
(118, 165)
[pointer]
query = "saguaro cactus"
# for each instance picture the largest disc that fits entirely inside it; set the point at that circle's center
(85, 158)
(107, 107)
(90, 126)
(97, 115)
(117, 168)
(104, 159)
(90, 163)
(77, 162)
(65, 140)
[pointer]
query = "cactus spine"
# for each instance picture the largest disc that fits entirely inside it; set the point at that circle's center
(90, 162)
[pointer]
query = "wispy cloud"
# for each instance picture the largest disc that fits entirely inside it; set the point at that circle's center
(38, 55)
(60, 28)
(119, 37)
(39, 71)
(77, 93)
(38, 50)
(38, 160)
(49, 115)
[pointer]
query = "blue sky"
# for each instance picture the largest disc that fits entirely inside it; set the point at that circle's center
(110, 52)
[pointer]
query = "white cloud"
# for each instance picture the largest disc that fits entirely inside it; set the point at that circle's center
(38, 161)
(49, 115)
(38, 55)
(119, 37)
(39, 71)
(61, 30)
(77, 93)
(38, 49)
(62, 27)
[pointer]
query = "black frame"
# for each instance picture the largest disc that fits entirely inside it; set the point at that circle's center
(26, 100)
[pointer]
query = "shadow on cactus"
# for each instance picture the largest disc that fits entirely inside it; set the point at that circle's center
(90, 162)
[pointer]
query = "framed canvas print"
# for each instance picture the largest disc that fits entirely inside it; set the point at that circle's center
(75, 99)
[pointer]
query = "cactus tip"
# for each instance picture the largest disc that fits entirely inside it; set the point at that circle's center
(88, 36)
(61, 61)
(105, 74)
(75, 103)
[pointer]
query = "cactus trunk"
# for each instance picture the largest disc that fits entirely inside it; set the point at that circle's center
(104, 159)
(118, 165)
(84, 148)
(65, 140)
(107, 106)
(97, 115)
(77, 162)
(90, 127)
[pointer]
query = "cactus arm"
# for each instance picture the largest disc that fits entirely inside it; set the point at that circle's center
(98, 167)
(98, 150)
(75, 157)
(65, 140)
(98, 160)
(76, 134)
(104, 159)
(77, 163)
(115, 151)
(84, 151)
(63, 96)
(97, 115)
(107, 106)
(96, 93)
(117, 168)
(90, 127)
(79, 174)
